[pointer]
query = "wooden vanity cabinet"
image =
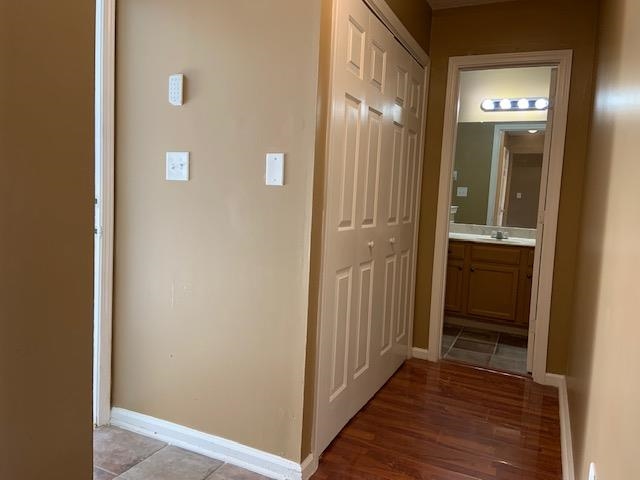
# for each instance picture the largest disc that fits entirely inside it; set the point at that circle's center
(454, 295)
(493, 291)
(489, 282)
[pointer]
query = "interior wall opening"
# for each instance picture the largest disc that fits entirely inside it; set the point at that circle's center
(500, 146)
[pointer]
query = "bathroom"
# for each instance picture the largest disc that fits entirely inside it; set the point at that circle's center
(500, 166)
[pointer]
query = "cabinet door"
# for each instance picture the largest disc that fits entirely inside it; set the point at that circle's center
(493, 291)
(454, 292)
(525, 298)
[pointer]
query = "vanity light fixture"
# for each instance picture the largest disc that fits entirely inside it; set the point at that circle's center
(533, 132)
(488, 105)
(514, 104)
(542, 104)
(505, 104)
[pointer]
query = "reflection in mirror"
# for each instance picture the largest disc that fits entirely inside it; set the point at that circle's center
(500, 148)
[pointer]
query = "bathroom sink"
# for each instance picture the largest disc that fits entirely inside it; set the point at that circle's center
(472, 237)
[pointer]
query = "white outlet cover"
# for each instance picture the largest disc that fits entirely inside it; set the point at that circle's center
(177, 166)
(592, 471)
(274, 175)
(462, 191)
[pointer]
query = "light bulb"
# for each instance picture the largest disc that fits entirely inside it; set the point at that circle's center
(488, 105)
(533, 131)
(523, 103)
(542, 103)
(505, 104)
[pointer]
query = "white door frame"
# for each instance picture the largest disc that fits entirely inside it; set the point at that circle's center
(543, 267)
(382, 10)
(104, 194)
(498, 131)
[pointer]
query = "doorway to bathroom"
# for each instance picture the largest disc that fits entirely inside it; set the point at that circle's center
(502, 156)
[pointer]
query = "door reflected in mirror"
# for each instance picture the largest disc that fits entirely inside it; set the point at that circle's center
(500, 145)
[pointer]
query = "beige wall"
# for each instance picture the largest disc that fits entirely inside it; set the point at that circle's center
(416, 17)
(211, 276)
(604, 386)
(46, 239)
(550, 24)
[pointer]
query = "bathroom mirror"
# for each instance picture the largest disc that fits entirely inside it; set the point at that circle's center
(500, 145)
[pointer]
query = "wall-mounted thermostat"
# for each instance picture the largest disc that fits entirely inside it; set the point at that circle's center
(176, 83)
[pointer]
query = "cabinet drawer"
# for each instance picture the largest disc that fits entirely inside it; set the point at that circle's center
(495, 254)
(456, 251)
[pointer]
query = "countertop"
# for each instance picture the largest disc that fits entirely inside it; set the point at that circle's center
(470, 237)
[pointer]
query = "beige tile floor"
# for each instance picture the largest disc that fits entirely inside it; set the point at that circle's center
(123, 455)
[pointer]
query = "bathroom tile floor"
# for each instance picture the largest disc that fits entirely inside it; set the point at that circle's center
(485, 348)
(119, 454)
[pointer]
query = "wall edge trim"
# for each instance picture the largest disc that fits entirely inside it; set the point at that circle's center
(566, 442)
(309, 466)
(421, 353)
(209, 445)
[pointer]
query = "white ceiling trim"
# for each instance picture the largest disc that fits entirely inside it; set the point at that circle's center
(442, 4)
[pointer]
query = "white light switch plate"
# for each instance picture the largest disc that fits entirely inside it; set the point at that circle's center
(462, 191)
(176, 83)
(275, 169)
(178, 166)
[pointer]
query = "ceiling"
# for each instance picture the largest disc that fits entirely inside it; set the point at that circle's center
(441, 4)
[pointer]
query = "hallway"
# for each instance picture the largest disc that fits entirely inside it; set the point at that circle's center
(450, 422)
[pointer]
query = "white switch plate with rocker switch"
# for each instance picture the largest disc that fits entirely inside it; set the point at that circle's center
(462, 191)
(275, 169)
(176, 83)
(178, 166)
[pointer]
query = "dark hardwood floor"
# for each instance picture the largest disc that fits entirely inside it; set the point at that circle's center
(450, 422)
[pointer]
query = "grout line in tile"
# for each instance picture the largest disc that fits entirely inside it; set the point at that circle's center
(108, 471)
(143, 460)
(453, 343)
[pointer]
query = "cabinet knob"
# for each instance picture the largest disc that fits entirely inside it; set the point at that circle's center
(529, 276)
(473, 269)
(460, 268)
(371, 244)
(392, 240)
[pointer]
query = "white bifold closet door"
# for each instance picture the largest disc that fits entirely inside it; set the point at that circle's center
(370, 216)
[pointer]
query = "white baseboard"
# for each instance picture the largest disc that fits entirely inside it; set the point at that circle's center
(211, 446)
(421, 353)
(560, 381)
(309, 466)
